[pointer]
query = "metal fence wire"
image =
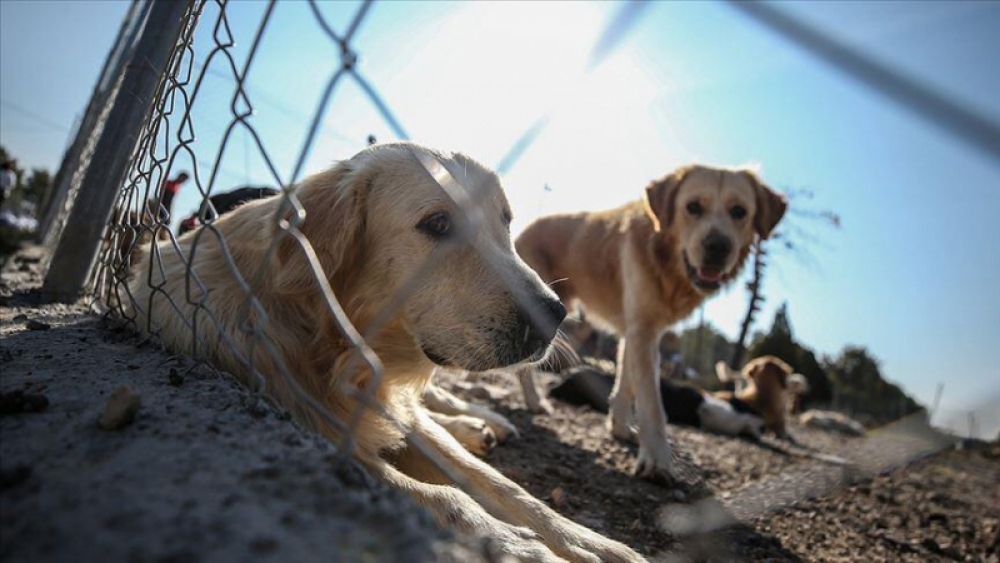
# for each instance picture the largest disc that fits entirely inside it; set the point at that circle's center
(166, 142)
(141, 224)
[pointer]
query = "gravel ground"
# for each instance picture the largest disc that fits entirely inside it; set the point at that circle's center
(743, 501)
(205, 471)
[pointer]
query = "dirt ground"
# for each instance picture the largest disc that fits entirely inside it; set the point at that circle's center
(906, 495)
(205, 470)
(208, 472)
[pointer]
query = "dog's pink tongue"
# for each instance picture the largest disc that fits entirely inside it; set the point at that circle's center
(710, 274)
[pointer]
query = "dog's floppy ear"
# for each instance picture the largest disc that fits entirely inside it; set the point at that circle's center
(334, 204)
(771, 206)
(661, 196)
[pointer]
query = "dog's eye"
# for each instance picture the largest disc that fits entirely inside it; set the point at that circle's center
(437, 225)
(694, 208)
(738, 212)
(507, 218)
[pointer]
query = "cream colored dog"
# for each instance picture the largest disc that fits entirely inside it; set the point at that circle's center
(644, 266)
(388, 238)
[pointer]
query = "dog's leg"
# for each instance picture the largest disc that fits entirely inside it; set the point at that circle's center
(640, 356)
(535, 401)
(473, 433)
(621, 416)
(505, 499)
(438, 400)
(454, 509)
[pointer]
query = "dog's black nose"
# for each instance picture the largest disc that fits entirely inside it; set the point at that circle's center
(717, 248)
(543, 319)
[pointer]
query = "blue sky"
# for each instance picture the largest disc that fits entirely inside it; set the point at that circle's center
(913, 273)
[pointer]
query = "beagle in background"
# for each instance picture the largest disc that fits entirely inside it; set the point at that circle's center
(763, 384)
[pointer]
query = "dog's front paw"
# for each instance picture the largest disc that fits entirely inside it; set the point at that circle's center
(655, 467)
(522, 544)
(603, 550)
(502, 428)
(582, 544)
(474, 434)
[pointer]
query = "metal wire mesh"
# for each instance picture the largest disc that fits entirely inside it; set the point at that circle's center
(141, 224)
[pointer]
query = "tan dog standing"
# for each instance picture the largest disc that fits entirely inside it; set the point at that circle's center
(643, 267)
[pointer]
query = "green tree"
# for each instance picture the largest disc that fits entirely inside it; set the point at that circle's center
(31, 187)
(863, 391)
(37, 186)
(702, 346)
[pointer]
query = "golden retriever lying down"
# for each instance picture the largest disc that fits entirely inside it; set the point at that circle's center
(374, 221)
(644, 266)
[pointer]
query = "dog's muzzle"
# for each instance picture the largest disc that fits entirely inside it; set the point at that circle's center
(538, 324)
(706, 278)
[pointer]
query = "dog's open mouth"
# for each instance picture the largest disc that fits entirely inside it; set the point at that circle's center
(706, 278)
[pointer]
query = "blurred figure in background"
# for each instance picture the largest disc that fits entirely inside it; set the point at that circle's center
(8, 179)
(167, 194)
(223, 203)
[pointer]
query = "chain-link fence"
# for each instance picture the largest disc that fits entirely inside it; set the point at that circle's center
(140, 222)
(143, 129)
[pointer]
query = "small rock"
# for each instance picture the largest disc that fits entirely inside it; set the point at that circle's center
(558, 497)
(566, 474)
(121, 408)
(32, 324)
(176, 379)
(20, 318)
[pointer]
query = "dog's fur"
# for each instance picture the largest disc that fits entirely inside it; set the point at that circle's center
(222, 203)
(644, 266)
(763, 383)
(373, 221)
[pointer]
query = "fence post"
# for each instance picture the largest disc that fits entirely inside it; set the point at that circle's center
(81, 238)
(55, 202)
